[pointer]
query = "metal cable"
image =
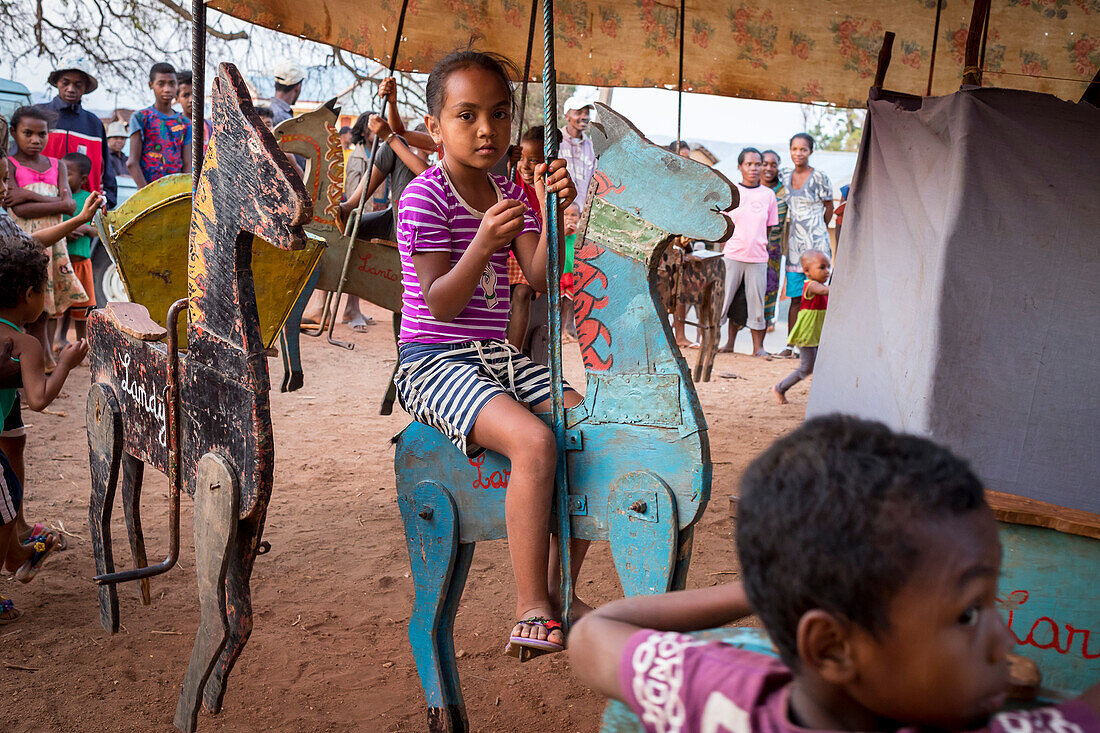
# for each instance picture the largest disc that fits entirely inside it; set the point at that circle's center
(553, 238)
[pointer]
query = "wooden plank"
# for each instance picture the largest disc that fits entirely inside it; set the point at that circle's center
(1022, 510)
(133, 319)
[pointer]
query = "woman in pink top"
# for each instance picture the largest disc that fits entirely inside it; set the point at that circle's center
(746, 251)
(38, 196)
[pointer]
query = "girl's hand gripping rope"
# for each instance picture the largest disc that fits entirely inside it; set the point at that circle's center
(554, 178)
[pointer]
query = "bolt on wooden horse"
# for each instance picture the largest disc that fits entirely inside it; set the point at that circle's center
(638, 457)
(210, 431)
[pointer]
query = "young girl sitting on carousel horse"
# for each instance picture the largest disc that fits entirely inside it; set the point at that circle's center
(456, 224)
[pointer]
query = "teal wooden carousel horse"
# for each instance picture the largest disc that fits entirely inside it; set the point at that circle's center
(637, 453)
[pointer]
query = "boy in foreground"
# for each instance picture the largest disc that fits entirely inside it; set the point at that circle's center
(872, 560)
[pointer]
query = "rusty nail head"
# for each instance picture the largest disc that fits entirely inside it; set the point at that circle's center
(639, 506)
(426, 513)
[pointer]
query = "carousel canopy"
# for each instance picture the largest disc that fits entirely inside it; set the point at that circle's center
(797, 50)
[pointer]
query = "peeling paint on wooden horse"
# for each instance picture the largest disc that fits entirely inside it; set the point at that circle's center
(375, 271)
(212, 433)
(638, 456)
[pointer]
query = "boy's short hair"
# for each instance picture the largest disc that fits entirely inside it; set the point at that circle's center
(5, 138)
(32, 112)
(184, 77)
(23, 263)
(824, 521)
(79, 161)
(264, 111)
(161, 67)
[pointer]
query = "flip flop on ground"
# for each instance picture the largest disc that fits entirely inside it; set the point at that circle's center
(360, 323)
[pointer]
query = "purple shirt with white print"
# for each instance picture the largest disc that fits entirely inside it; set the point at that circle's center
(432, 217)
(678, 684)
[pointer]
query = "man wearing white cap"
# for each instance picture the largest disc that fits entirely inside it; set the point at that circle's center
(288, 87)
(77, 130)
(576, 147)
(116, 141)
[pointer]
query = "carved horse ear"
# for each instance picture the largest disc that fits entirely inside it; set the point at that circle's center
(612, 128)
(237, 99)
(598, 135)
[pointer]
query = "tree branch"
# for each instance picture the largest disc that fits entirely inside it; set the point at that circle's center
(186, 15)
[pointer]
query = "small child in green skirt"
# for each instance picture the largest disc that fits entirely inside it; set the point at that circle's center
(806, 334)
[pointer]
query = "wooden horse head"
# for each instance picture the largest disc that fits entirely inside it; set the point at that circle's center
(315, 136)
(247, 188)
(642, 195)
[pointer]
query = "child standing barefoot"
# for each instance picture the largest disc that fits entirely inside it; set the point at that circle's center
(38, 195)
(23, 277)
(806, 334)
(456, 223)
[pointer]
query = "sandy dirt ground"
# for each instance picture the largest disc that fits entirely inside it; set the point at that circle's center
(333, 597)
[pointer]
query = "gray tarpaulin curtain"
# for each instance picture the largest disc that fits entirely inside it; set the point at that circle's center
(966, 300)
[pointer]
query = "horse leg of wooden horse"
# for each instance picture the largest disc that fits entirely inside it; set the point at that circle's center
(133, 470)
(216, 497)
(440, 565)
(642, 528)
(104, 421)
(391, 389)
(238, 593)
(684, 544)
(293, 376)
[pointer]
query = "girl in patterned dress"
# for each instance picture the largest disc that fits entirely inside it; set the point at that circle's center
(456, 224)
(38, 197)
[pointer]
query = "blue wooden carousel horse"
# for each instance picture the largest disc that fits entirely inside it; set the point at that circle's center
(638, 458)
(203, 418)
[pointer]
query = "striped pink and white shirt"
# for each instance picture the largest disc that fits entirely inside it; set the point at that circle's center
(432, 217)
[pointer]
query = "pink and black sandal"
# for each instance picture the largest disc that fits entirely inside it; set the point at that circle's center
(518, 644)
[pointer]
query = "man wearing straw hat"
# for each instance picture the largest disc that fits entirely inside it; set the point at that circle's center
(77, 130)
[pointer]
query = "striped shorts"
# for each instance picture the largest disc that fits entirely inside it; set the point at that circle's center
(447, 385)
(11, 492)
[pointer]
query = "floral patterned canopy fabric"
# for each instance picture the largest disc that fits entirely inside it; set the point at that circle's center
(795, 50)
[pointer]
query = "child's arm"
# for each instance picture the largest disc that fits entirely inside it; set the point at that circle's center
(39, 389)
(596, 643)
(391, 137)
(815, 288)
(48, 236)
(388, 91)
(447, 290)
(41, 206)
(133, 163)
(531, 252)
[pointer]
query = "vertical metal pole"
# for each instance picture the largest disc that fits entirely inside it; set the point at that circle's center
(357, 215)
(680, 79)
(935, 41)
(198, 86)
(553, 238)
(526, 77)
